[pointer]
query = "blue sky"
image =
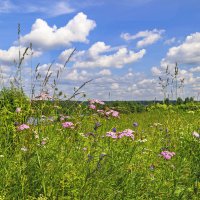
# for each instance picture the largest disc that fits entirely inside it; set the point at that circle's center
(124, 46)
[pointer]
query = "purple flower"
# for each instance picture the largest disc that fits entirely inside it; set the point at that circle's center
(167, 154)
(114, 130)
(23, 127)
(68, 125)
(126, 133)
(135, 124)
(92, 106)
(112, 134)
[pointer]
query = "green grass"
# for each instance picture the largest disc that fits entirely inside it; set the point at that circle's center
(73, 166)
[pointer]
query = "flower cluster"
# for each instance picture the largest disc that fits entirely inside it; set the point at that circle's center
(92, 103)
(125, 133)
(167, 154)
(112, 113)
(22, 127)
(68, 125)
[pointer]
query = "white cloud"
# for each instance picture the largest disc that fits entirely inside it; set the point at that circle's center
(105, 72)
(12, 54)
(195, 69)
(170, 41)
(148, 37)
(42, 36)
(55, 8)
(49, 8)
(186, 53)
(156, 71)
(114, 86)
(100, 55)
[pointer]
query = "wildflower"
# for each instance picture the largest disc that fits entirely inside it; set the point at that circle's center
(84, 149)
(24, 149)
(44, 141)
(100, 111)
(62, 119)
(113, 113)
(135, 124)
(167, 155)
(126, 133)
(114, 130)
(112, 134)
(92, 101)
(18, 110)
(68, 125)
(23, 127)
(195, 134)
(140, 140)
(92, 106)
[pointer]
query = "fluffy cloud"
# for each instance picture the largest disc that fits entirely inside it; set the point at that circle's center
(186, 53)
(12, 54)
(105, 72)
(195, 69)
(148, 37)
(102, 55)
(42, 36)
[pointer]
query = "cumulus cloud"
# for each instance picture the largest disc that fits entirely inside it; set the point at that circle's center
(12, 54)
(187, 52)
(195, 69)
(147, 37)
(102, 55)
(43, 36)
(105, 72)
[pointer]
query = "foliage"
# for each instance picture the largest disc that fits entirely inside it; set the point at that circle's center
(45, 160)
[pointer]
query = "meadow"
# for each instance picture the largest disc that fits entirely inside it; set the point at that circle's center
(97, 151)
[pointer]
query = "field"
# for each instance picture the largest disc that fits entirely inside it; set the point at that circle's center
(97, 152)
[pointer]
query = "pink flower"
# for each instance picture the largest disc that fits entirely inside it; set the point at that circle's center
(92, 106)
(112, 134)
(62, 119)
(101, 111)
(18, 110)
(68, 125)
(23, 127)
(127, 133)
(167, 155)
(113, 113)
(92, 101)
